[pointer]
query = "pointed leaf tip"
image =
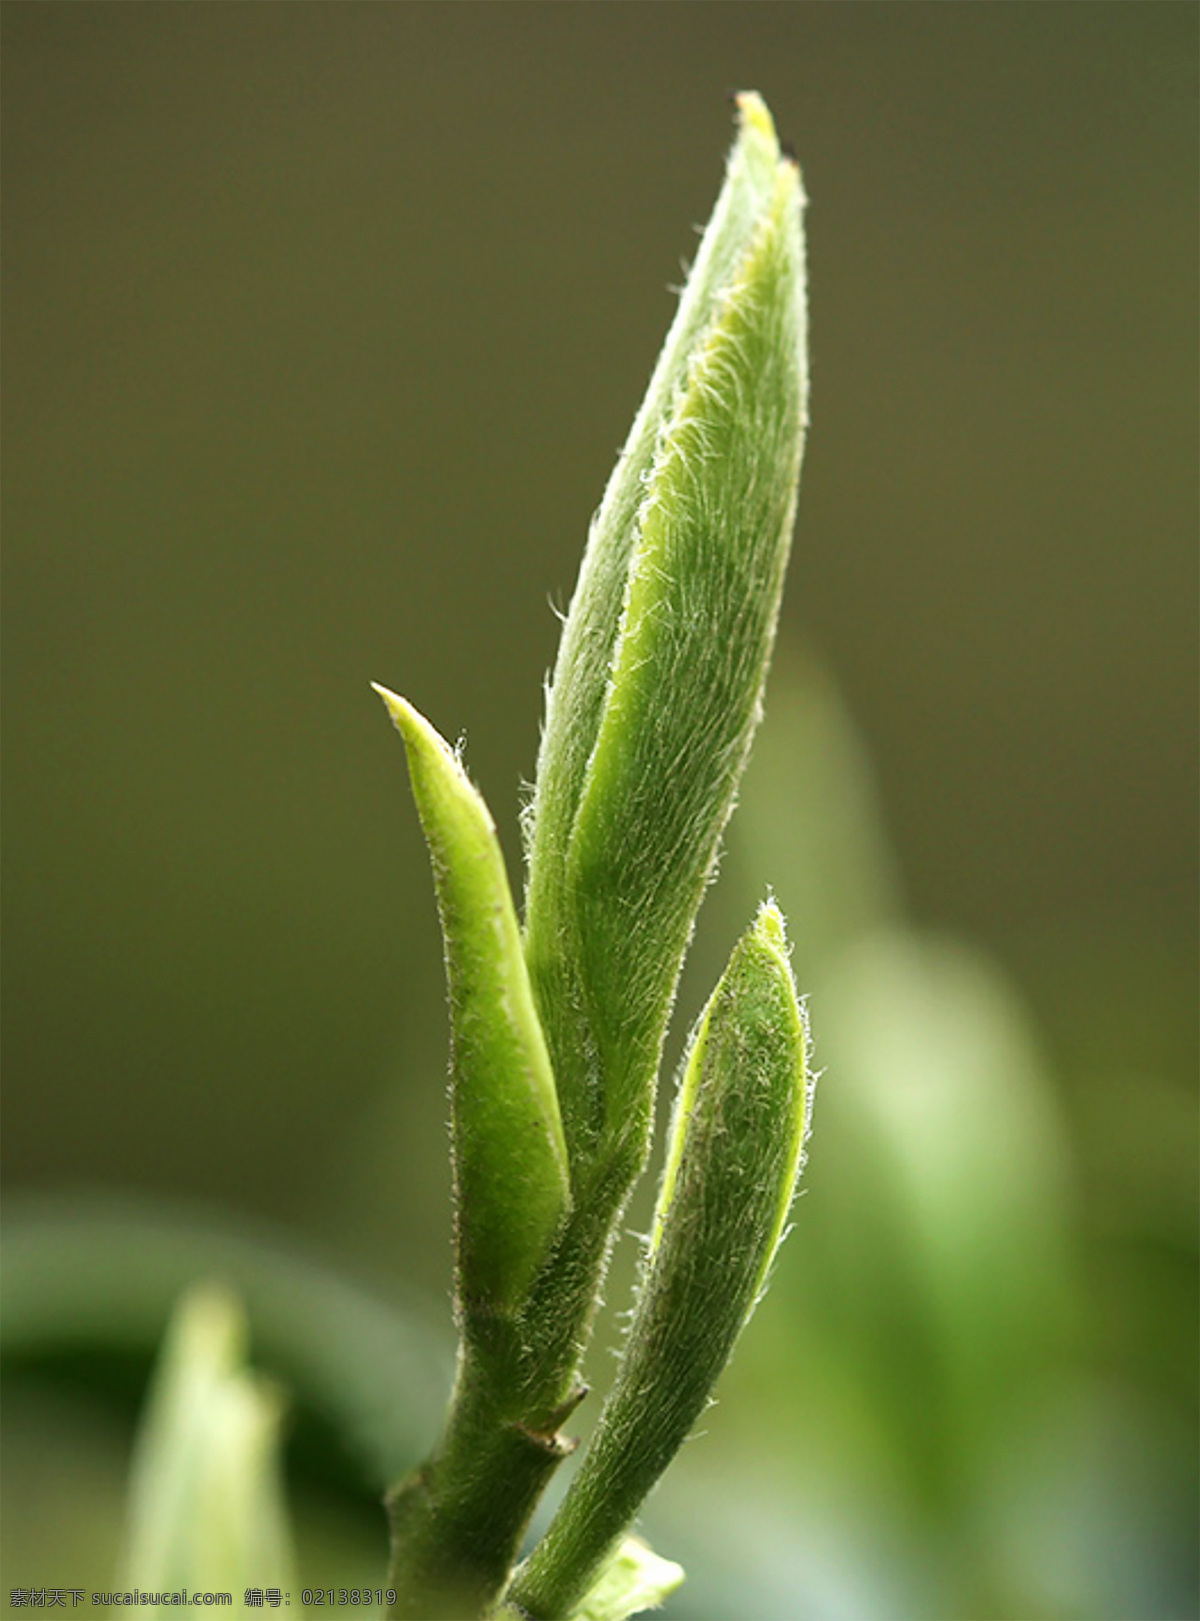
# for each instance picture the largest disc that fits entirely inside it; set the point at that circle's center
(770, 926)
(755, 114)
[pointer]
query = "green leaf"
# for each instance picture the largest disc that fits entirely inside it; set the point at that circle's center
(742, 1110)
(658, 685)
(206, 1505)
(635, 1579)
(510, 1158)
(736, 1147)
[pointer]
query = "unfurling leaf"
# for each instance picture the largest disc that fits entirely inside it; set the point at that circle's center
(658, 684)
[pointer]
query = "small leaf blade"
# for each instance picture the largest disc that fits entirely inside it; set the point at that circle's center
(512, 1184)
(635, 1579)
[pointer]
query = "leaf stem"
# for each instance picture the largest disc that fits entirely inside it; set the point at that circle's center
(455, 1521)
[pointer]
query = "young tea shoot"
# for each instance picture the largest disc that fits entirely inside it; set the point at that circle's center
(557, 1024)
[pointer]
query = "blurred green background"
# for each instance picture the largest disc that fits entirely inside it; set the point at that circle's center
(323, 326)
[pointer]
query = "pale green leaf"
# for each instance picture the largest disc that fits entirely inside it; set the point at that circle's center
(635, 1579)
(206, 1508)
(659, 681)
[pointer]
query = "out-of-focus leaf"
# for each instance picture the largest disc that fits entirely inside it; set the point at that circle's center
(961, 1192)
(206, 1506)
(104, 1273)
(809, 821)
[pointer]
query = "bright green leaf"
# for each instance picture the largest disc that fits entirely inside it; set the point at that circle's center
(510, 1159)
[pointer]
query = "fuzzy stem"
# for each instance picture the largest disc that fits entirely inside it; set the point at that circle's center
(458, 1522)
(455, 1522)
